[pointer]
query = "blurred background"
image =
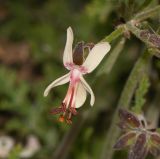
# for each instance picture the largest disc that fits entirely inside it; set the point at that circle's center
(32, 40)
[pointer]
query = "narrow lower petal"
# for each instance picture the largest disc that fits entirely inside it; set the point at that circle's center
(68, 57)
(96, 55)
(80, 95)
(89, 90)
(60, 81)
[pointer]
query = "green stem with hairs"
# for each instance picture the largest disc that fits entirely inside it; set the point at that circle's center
(150, 39)
(147, 14)
(141, 91)
(115, 34)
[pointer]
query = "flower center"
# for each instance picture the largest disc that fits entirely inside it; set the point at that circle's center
(75, 76)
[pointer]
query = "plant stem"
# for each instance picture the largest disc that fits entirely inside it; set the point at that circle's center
(138, 17)
(140, 92)
(152, 40)
(125, 99)
(147, 14)
(69, 138)
(115, 34)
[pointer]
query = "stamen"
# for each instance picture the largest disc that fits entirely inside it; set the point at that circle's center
(71, 98)
(66, 101)
(57, 110)
(68, 120)
(73, 110)
(89, 46)
(63, 106)
(72, 101)
(61, 118)
(61, 109)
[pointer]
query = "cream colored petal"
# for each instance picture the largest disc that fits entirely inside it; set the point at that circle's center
(96, 55)
(88, 89)
(31, 148)
(62, 80)
(67, 57)
(80, 95)
(6, 145)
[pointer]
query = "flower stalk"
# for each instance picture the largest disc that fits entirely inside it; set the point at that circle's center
(115, 34)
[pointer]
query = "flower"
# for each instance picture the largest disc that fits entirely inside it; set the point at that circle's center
(137, 136)
(32, 147)
(6, 145)
(76, 94)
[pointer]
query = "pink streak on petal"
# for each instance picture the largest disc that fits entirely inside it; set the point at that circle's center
(75, 76)
(83, 70)
(72, 90)
(69, 66)
(68, 95)
(71, 98)
(73, 102)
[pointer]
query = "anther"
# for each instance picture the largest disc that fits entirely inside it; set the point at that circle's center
(63, 106)
(61, 119)
(57, 110)
(73, 110)
(68, 120)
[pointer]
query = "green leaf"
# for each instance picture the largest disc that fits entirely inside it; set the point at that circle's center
(14, 154)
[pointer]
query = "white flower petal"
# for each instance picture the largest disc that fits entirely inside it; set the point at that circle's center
(68, 57)
(96, 55)
(89, 90)
(80, 95)
(31, 148)
(6, 144)
(62, 80)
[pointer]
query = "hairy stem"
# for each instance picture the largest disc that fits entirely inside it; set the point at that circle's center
(150, 39)
(69, 138)
(115, 34)
(147, 14)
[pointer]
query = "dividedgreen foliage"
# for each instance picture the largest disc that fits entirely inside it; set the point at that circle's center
(32, 39)
(15, 152)
(140, 94)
